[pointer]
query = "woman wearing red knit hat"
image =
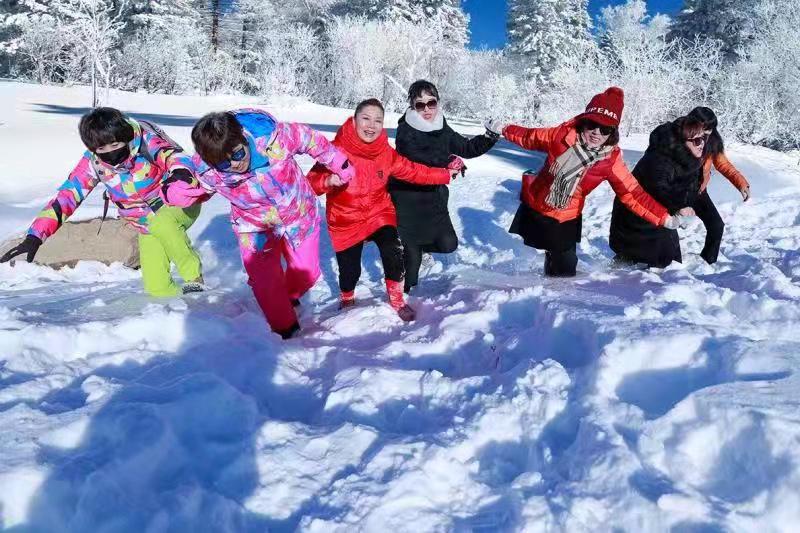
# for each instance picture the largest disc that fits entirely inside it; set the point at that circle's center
(581, 154)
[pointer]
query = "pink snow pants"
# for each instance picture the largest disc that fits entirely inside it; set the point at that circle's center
(273, 287)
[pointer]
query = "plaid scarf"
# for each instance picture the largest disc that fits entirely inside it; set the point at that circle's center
(568, 170)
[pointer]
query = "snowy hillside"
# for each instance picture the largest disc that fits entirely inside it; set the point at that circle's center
(626, 400)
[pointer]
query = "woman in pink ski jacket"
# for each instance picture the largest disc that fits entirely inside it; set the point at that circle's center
(248, 157)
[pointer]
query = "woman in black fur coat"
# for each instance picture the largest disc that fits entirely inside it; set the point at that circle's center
(423, 136)
(671, 170)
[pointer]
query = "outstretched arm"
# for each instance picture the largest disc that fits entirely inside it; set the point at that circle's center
(71, 194)
(406, 170)
(634, 196)
(305, 140)
(726, 168)
(469, 148)
(538, 139)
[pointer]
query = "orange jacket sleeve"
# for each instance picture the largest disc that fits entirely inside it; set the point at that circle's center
(538, 139)
(406, 170)
(317, 176)
(726, 168)
(634, 196)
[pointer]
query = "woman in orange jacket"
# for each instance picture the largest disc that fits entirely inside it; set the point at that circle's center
(714, 156)
(581, 154)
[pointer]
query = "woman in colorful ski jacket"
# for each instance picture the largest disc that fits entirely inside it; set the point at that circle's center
(581, 153)
(714, 156)
(248, 157)
(133, 161)
(362, 210)
(423, 136)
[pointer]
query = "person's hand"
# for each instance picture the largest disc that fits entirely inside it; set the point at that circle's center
(745, 193)
(494, 126)
(456, 165)
(675, 222)
(29, 246)
(686, 212)
(333, 181)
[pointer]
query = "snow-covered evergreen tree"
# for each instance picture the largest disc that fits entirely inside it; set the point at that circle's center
(448, 13)
(546, 33)
(730, 21)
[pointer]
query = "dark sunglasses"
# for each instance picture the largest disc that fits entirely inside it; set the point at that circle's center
(592, 125)
(698, 141)
(238, 155)
(430, 104)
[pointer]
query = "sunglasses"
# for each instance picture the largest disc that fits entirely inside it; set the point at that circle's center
(604, 130)
(238, 155)
(698, 141)
(430, 104)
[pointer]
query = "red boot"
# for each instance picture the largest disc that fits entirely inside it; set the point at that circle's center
(347, 299)
(397, 301)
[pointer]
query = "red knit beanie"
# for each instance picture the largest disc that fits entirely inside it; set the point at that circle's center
(605, 108)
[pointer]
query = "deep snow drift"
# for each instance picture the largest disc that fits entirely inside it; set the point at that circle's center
(621, 400)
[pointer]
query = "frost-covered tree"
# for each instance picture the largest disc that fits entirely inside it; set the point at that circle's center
(546, 33)
(448, 13)
(729, 21)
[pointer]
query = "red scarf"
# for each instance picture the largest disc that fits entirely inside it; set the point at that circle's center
(348, 138)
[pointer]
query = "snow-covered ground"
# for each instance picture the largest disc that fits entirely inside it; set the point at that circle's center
(622, 400)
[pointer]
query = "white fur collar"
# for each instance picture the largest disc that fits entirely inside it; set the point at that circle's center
(416, 121)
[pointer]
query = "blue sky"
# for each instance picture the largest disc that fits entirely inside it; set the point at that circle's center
(488, 17)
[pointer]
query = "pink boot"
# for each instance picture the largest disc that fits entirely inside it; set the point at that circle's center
(347, 299)
(396, 300)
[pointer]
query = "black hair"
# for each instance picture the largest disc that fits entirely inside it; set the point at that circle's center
(706, 115)
(102, 126)
(369, 102)
(420, 87)
(216, 135)
(613, 138)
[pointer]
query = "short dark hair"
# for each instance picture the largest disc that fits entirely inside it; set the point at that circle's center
(707, 116)
(216, 135)
(104, 125)
(369, 102)
(613, 138)
(420, 87)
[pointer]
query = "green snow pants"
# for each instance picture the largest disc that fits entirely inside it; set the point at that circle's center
(168, 243)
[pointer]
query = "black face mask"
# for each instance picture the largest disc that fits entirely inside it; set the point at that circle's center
(115, 157)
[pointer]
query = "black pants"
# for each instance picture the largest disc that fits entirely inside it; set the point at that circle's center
(706, 211)
(561, 263)
(446, 242)
(388, 242)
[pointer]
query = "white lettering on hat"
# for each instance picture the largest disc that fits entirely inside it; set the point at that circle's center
(602, 111)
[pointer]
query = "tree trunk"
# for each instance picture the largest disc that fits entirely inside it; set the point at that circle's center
(215, 25)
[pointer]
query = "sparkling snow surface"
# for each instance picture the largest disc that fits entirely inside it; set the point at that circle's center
(624, 399)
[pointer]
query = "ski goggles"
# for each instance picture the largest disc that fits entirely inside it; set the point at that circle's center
(236, 156)
(592, 125)
(430, 104)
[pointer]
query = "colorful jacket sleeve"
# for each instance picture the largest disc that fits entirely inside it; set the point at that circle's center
(306, 140)
(81, 181)
(406, 170)
(634, 196)
(181, 194)
(726, 168)
(165, 155)
(538, 139)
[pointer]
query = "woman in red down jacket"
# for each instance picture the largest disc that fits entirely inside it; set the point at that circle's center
(581, 153)
(362, 210)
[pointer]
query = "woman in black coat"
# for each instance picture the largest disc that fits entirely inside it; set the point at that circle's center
(671, 170)
(423, 136)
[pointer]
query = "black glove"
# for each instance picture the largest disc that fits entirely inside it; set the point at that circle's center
(29, 246)
(179, 174)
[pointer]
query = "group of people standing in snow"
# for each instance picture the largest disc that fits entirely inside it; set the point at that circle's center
(396, 198)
